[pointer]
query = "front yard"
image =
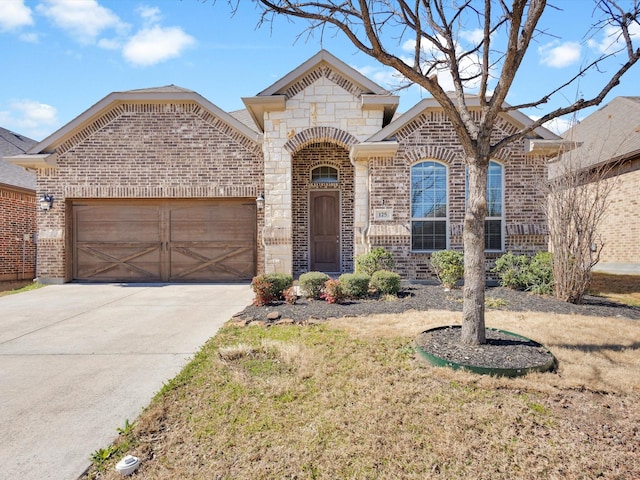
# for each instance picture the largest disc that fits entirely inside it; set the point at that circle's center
(348, 398)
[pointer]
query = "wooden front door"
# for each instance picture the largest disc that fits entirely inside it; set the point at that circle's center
(324, 229)
(164, 240)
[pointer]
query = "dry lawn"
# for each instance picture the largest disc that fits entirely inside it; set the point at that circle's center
(619, 288)
(350, 400)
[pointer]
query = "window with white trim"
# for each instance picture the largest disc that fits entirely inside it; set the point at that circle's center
(494, 222)
(429, 206)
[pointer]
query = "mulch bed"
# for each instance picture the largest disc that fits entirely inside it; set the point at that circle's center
(498, 352)
(433, 297)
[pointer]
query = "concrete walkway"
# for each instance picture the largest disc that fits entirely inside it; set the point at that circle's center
(76, 361)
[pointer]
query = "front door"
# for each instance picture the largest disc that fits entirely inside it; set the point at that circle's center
(325, 230)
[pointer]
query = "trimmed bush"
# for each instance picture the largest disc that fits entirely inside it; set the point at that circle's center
(386, 282)
(448, 266)
(270, 287)
(355, 285)
(312, 283)
(376, 259)
(332, 291)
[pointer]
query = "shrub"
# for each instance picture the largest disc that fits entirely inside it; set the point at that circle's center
(448, 266)
(290, 295)
(280, 282)
(332, 291)
(512, 270)
(263, 290)
(386, 282)
(376, 259)
(540, 274)
(355, 285)
(523, 273)
(270, 287)
(312, 283)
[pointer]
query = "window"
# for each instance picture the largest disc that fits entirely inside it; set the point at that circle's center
(429, 209)
(324, 174)
(493, 225)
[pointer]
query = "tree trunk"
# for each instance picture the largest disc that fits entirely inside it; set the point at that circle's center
(473, 328)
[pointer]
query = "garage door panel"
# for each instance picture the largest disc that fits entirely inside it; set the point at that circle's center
(165, 240)
(103, 262)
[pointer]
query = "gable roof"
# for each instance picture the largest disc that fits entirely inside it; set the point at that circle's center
(273, 98)
(515, 117)
(611, 133)
(13, 175)
(168, 93)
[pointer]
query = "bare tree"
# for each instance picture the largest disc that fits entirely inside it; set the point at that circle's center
(378, 27)
(578, 193)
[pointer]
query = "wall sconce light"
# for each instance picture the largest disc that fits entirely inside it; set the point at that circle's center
(260, 201)
(45, 202)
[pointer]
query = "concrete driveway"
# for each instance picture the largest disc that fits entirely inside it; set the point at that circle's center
(76, 361)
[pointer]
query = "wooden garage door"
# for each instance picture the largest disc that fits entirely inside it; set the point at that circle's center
(170, 240)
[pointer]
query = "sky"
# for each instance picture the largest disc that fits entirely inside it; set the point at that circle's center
(60, 57)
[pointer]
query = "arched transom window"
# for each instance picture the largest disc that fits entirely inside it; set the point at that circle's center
(324, 174)
(429, 206)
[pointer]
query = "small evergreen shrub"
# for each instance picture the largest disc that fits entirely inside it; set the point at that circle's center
(332, 291)
(312, 283)
(355, 285)
(512, 270)
(280, 282)
(523, 273)
(386, 282)
(376, 259)
(448, 266)
(540, 274)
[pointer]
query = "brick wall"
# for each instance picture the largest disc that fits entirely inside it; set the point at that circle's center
(620, 228)
(304, 161)
(17, 219)
(431, 137)
(162, 150)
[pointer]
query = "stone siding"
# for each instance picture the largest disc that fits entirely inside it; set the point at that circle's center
(17, 229)
(155, 150)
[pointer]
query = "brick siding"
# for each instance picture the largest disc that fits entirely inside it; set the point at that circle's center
(304, 161)
(17, 219)
(163, 150)
(431, 137)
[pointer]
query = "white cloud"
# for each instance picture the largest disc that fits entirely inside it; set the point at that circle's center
(156, 44)
(559, 55)
(14, 14)
(469, 66)
(612, 41)
(29, 117)
(84, 20)
(149, 14)
(473, 36)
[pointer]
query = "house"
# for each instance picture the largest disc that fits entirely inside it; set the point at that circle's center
(162, 185)
(609, 138)
(17, 212)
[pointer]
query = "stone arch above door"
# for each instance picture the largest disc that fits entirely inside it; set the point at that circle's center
(317, 135)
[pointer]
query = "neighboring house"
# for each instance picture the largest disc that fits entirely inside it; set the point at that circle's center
(162, 185)
(611, 137)
(17, 211)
